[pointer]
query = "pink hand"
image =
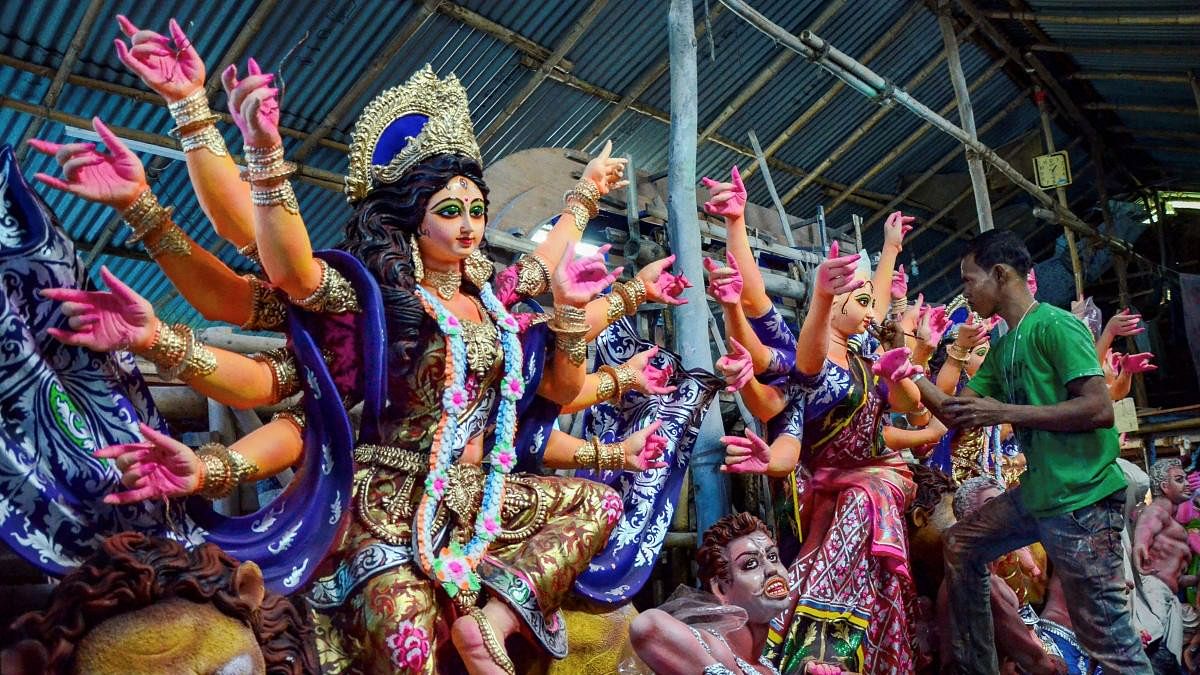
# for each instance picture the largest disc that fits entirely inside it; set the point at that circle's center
(894, 365)
(746, 455)
(576, 282)
(104, 321)
(736, 367)
(173, 73)
(726, 199)
(835, 276)
(651, 380)
(644, 448)
(939, 323)
(724, 283)
(1125, 323)
(992, 323)
(899, 284)
(1031, 281)
(896, 226)
(114, 178)
(254, 104)
(159, 468)
(1138, 363)
(661, 285)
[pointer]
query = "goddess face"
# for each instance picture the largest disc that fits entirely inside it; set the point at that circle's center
(853, 311)
(758, 578)
(453, 225)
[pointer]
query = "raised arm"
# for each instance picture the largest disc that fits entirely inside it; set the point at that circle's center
(970, 335)
(895, 367)
(1122, 324)
(894, 228)
(176, 72)
(653, 283)
(764, 401)
(834, 277)
(728, 200)
(611, 383)
(603, 174)
(725, 285)
(116, 178)
(751, 454)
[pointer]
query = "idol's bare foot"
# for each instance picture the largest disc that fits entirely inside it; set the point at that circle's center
(479, 639)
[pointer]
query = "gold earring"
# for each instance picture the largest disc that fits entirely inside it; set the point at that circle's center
(418, 265)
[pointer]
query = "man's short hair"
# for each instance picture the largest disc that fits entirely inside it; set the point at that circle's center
(1159, 472)
(712, 558)
(1000, 247)
(966, 499)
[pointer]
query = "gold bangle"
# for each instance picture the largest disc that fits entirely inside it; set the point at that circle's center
(206, 137)
(295, 415)
(626, 378)
(962, 356)
(242, 467)
(200, 362)
(569, 321)
(637, 293)
(588, 189)
(167, 350)
(265, 165)
(616, 306)
(218, 478)
(334, 294)
(145, 215)
(251, 251)
(268, 309)
(533, 276)
(585, 456)
(574, 346)
(580, 215)
(285, 378)
(623, 290)
(191, 113)
(610, 457)
(280, 195)
(608, 385)
(171, 241)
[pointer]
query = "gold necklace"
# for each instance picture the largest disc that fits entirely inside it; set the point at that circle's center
(446, 283)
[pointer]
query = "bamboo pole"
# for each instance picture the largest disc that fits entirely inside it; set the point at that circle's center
(1165, 78)
(1075, 20)
(1123, 50)
(863, 129)
(711, 491)
(1121, 267)
(820, 104)
(60, 76)
(247, 33)
(966, 117)
(1142, 107)
(766, 172)
(1048, 140)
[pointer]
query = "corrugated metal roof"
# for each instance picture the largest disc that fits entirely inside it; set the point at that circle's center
(627, 39)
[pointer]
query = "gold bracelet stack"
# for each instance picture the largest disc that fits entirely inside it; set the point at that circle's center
(583, 202)
(898, 308)
(285, 379)
(585, 455)
(333, 295)
(533, 276)
(171, 241)
(196, 125)
(294, 414)
(224, 469)
(600, 456)
(267, 173)
(279, 195)
(570, 327)
(625, 377)
(616, 305)
(580, 215)
(607, 389)
(177, 354)
(633, 294)
(268, 310)
(961, 356)
(145, 215)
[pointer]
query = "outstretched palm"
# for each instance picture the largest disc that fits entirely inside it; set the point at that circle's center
(644, 448)
(104, 320)
(173, 71)
(158, 468)
(115, 178)
(577, 281)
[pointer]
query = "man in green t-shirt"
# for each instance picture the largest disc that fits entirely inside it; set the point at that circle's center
(1044, 379)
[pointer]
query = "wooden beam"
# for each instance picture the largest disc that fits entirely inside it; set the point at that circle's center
(506, 35)
(307, 174)
(646, 80)
(1076, 20)
(966, 117)
(1190, 136)
(1119, 50)
(249, 30)
(768, 73)
(82, 32)
(863, 129)
(139, 95)
(898, 150)
(580, 27)
(367, 80)
(1124, 76)
(1142, 107)
(894, 31)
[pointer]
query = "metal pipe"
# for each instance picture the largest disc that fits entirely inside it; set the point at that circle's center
(711, 490)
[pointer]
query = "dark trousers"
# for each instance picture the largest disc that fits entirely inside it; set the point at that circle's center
(1085, 548)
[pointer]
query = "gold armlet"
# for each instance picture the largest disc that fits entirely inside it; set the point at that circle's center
(333, 295)
(171, 241)
(533, 276)
(585, 455)
(218, 479)
(145, 215)
(574, 346)
(580, 215)
(570, 327)
(168, 349)
(200, 361)
(295, 415)
(608, 384)
(285, 379)
(206, 137)
(616, 305)
(610, 456)
(268, 309)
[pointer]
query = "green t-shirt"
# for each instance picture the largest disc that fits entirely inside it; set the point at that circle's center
(1032, 366)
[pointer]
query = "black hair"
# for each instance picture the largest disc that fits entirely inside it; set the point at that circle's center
(1000, 247)
(379, 233)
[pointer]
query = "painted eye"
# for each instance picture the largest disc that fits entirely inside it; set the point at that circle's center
(750, 564)
(477, 211)
(449, 211)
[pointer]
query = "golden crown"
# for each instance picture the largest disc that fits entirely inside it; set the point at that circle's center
(447, 131)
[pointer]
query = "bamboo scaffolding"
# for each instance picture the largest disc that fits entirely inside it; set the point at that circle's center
(966, 117)
(1123, 50)
(1142, 107)
(1126, 76)
(1121, 20)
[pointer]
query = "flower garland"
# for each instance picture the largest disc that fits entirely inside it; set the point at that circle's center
(454, 566)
